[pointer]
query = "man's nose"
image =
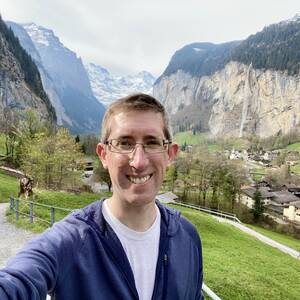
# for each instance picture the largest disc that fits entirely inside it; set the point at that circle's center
(139, 159)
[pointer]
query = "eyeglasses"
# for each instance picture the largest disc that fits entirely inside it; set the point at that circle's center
(128, 145)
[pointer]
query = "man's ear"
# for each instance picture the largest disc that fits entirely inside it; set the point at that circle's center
(173, 150)
(101, 151)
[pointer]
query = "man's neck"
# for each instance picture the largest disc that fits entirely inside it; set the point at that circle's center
(138, 218)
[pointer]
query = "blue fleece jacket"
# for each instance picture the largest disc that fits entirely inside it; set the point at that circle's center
(81, 258)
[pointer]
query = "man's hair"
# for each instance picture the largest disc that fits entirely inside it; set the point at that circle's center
(135, 102)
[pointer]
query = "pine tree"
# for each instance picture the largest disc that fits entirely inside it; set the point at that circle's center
(258, 208)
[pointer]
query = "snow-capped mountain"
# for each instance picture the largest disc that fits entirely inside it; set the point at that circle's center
(107, 87)
(65, 79)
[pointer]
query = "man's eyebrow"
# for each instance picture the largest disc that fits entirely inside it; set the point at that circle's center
(124, 137)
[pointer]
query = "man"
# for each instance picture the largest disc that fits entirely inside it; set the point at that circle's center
(127, 246)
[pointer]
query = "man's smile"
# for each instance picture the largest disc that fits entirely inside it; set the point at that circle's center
(139, 179)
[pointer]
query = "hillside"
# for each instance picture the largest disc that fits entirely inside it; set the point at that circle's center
(276, 47)
(237, 266)
(21, 85)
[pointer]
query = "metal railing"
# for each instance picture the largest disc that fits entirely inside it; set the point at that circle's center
(209, 292)
(15, 206)
(210, 211)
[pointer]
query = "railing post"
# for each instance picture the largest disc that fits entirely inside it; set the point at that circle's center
(52, 215)
(12, 200)
(17, 209)
(31, 212)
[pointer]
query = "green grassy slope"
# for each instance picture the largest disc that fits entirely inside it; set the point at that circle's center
(2, 144)
(294, 147)
(8, 186)
(238, 266)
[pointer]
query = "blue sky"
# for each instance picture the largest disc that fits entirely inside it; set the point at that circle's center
(127, 36)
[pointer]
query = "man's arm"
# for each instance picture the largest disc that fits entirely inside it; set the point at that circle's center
(33, 272)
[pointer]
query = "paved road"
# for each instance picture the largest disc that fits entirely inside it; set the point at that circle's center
(263, 238)
(12, 239)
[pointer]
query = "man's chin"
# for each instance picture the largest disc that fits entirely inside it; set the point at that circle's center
(140, 199)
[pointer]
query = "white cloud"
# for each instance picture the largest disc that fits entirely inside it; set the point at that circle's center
(129, 36)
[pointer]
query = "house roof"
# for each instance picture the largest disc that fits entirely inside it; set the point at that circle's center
(166, 197)
(274, 208)
(284, 197)
(264, 191)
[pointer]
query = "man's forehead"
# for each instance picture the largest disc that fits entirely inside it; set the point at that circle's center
(147, 123)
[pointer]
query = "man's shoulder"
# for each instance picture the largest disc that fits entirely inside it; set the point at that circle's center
(179, 224)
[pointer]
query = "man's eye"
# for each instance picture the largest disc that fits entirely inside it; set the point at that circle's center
(153, 143)
(125, 143)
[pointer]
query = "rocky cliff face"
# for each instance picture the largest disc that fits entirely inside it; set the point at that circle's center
(48, 83)
(237, 88)
(237, 100)
(64, 78)
(15, 92)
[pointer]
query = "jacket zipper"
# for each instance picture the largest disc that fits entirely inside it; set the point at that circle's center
(166, 261)
(161, 267)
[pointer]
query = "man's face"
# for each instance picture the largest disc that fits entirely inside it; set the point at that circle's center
(137, 176)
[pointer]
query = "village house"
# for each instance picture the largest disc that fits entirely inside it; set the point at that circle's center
(282, 203)
(280, 200)
(248, 195)
(292, 213)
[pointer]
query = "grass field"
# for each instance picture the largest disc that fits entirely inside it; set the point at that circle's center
(295, 147)
(51, 198)
(189, 138)
(296, 168)
(2, 144)
(238, 266)
(8, 186)
(213, 145)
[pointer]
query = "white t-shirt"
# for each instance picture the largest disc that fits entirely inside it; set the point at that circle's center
(141, 249)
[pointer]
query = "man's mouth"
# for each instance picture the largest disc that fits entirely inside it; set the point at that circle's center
(139, 179)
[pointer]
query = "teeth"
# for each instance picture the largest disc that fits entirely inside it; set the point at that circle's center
(139, 180)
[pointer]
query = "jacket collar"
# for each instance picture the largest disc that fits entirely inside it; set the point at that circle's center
(92, 214)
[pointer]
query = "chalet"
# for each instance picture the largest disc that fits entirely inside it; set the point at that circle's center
(88, 167)
(248, 195)
(292, 213)
(279, 201)
(283, 198)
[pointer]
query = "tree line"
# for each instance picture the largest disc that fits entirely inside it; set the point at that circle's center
(206, 179)
(48, 154)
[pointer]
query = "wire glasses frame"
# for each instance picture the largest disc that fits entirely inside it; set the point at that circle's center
(126, 146)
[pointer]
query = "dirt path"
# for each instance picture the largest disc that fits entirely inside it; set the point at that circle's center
(12, 239)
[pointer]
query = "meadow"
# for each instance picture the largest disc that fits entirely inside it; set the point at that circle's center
(238, 266)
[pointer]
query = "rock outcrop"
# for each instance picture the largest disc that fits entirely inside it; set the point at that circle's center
(237, 100)
(238, 88)
(17, 93)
